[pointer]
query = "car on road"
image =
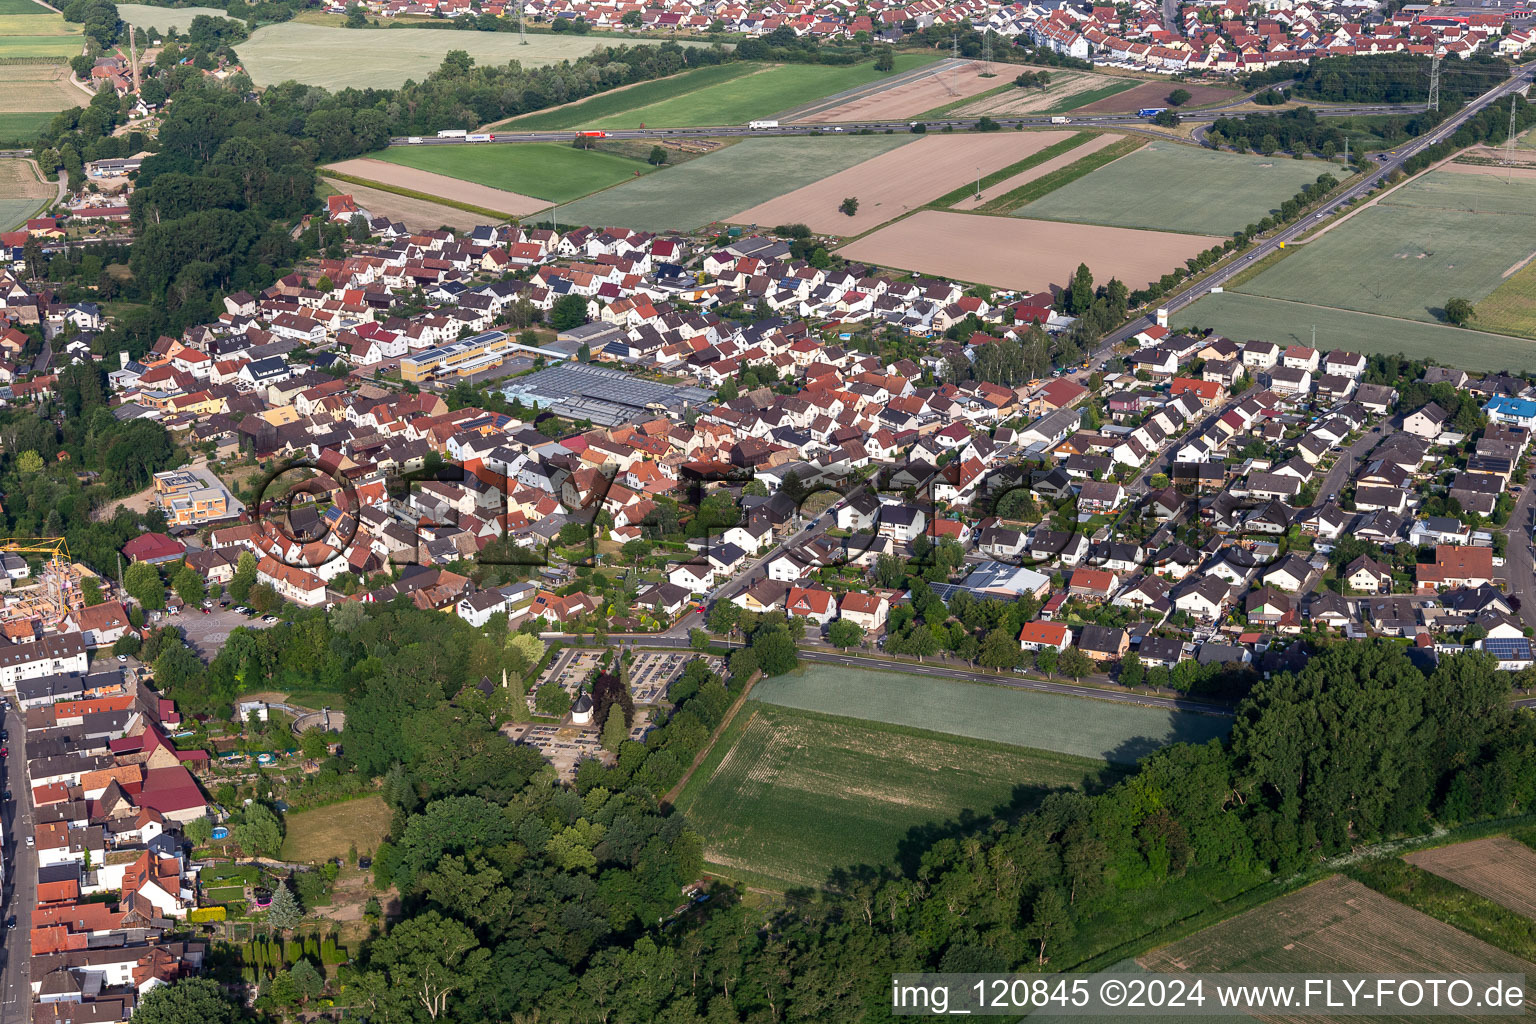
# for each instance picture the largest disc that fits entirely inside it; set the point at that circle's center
(5, 751)
(30, 842)
(10, 923)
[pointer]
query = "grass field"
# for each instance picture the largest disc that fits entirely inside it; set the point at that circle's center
(1016, 199)
(617, 101)
(725, 182)
(1122, 733)
(164, 18)
(738, 100)
(8, 7)
(544, 170)
(37, 32)
(1171, 187)
(1449, 233)
(1511, 307)
(1335, 926)
(30, 94)
(787, 797)
(331, 831)
(1243, 317)
(22, 127)
(384, 58)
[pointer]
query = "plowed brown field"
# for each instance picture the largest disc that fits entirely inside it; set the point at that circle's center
(1499, 868)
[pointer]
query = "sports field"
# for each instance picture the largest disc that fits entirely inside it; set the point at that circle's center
(384, 58)
(737, 100)
(1170, 187)
(1447, 234)
(163, 18)
(543, 170)
(31, 30)
(326, 832)
(1243, 317)
(725, 182)
(1122, 733)
(1336, 926)
(786, 797)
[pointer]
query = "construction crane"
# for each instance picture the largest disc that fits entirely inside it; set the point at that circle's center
(54, 546)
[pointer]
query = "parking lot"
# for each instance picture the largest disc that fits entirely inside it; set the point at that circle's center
(207, 633)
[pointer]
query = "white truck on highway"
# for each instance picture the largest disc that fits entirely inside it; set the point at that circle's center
(758, 126)
(414, 140)
(479, 137)
(452, 133)
(1061, 120)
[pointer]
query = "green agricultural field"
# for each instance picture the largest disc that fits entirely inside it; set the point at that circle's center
(787, 797)
(21, 7)
(1122, 733)
(544, 170)
(752, 97)
(1511, 307)
(725, 182)
(331, 831)
(22, 128)
(34, 31)
(1242, 317)
(14, 212)
(617, 101)
(1170, 187)
(165, 18)
(384, 58)
(1414, 249)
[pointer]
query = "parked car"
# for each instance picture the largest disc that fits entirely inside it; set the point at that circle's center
(122, 657)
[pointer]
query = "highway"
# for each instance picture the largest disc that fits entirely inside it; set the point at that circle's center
(1394, 162)
(959, 124)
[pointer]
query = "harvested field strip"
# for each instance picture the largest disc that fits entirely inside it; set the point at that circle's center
(717, 186)
(1155, 94)
(1511, 307)
(897, 182)
(417, 212)
(1083, 99)
(1026, 194)
(1239, 315)
(617, 101)
(413, 194)
(911, 97)
(992, 200)
(438, 187)
(1444, 900)
(1004, 174)
(1336, 926)
(1011, 252)
(1498, 868)
(953, 105)
(788, 797)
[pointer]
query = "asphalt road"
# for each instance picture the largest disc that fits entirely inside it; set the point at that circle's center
(20, 880)
(959, 124)
(1395, 160)
(1519, 563)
